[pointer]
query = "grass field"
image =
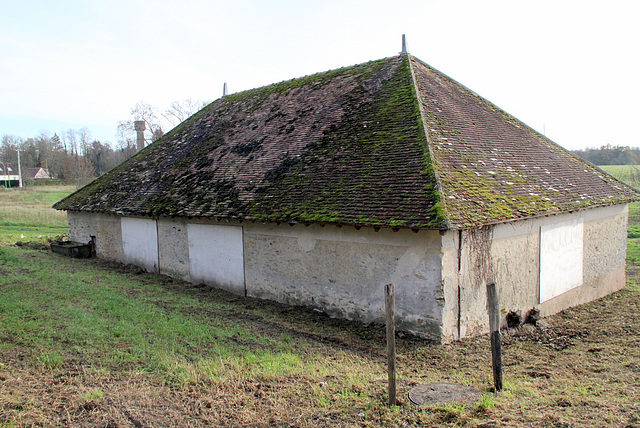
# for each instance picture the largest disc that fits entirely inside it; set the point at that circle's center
(93, 343)
(27, 212)
(630, 174)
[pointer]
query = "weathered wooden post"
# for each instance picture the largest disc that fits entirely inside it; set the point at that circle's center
(493, 304)
(391, 342)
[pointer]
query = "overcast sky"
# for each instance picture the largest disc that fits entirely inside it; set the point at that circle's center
(570, 69)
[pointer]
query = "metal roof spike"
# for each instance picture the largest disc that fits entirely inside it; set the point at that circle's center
(404, 45)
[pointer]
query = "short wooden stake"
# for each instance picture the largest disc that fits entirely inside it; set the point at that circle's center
(493, 304)
(391, 342)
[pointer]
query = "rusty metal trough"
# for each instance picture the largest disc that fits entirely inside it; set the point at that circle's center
(74, 249)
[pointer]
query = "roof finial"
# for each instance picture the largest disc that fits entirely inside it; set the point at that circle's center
(404, 45)
(224, 89)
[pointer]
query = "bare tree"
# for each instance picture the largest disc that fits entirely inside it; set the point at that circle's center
(78, 168)
(126, 133)
(148, 114)
(123, 151)
(84, 138)
(9, 147)
(56, 156)
(70, 141)
(179, 111)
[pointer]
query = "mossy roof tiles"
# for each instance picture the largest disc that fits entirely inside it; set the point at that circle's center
(387, 143)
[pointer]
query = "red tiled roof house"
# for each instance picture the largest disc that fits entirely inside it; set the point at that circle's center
(318, 191)
(37, 173)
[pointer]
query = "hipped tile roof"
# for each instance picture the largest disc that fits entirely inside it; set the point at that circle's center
(390, 143)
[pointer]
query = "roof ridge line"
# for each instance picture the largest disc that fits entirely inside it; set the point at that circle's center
(512, 119)
(426, 133)
(501, 110)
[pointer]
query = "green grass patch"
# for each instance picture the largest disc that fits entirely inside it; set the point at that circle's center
(26, 214)
(633, 250)
(31, 207)
(94, 394)
(113, 319)
(629, 174)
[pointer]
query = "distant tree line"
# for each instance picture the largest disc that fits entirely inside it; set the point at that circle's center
(75, 155)
(610, 155)
(71, 156)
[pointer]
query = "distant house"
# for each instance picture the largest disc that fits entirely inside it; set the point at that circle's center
(318, 191)
(36, 173)
(8, 177)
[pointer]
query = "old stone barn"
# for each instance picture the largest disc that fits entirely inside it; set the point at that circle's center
(318, 191)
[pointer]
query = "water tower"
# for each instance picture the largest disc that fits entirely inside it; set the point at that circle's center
(140, 127)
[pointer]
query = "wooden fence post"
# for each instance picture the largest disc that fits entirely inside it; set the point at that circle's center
(391, 342)
(493, 304)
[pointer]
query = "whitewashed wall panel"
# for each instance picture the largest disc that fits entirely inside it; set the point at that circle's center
(140, 242)
(561, 257)
(216, 256)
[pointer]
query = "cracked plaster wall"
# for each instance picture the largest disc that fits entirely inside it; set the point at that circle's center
(173, 243)
(105, 227)
(342, 271)
(515, 255)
